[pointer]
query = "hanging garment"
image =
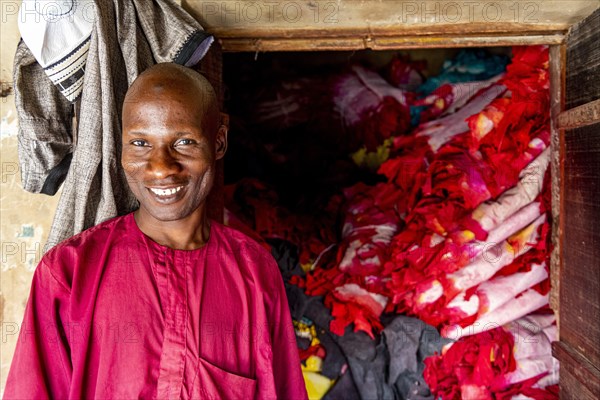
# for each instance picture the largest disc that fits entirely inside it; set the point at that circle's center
(128, 36)
(45, 138)
(58, 35)
(115, 315)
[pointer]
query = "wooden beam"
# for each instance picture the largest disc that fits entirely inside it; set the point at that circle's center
(557, 82)
(586, 114)
(325, 43)
(587, 376)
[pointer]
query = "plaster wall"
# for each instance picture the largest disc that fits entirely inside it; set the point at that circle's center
(25, 218)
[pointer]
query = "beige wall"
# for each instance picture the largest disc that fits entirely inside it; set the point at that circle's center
(24, 217)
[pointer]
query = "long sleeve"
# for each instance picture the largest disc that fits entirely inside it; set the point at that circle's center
(41, 367)
(289, 382)
(45, 124)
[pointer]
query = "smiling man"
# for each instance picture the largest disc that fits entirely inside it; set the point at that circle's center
(160, 303)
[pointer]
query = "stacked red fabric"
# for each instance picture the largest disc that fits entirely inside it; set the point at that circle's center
(458, 235)
(457, 232)
(499, 363)
(463, 203)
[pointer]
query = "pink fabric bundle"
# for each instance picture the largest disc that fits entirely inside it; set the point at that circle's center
(450, 97)
(506, 361)
(371, 222)
(371, 108)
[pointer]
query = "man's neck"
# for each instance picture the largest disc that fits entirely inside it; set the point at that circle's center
(184, 234)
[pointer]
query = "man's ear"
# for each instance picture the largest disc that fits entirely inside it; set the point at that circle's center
(221, 137)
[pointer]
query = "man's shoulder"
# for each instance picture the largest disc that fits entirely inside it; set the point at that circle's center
(240, 240)
(76, 256)
(93, 237)
(252, 256)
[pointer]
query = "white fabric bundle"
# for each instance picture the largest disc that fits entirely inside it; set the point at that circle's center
(58, 35)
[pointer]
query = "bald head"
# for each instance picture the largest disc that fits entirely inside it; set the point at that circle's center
(180, 83)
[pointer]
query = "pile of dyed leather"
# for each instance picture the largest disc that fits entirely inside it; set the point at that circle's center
(499, 363)
(456, 229)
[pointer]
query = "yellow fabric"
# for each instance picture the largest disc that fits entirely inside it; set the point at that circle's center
(316, 384)
(372, 160)
(313, 364)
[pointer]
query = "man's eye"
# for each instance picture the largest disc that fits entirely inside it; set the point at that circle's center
(184, 142)
(139, 142)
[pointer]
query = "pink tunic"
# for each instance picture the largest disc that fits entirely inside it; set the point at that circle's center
(114, 315)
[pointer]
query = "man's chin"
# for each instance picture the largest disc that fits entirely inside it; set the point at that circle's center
(167, 213)
(167, 216)
(162, 214)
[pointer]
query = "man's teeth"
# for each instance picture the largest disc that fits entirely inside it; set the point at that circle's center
(166, 192)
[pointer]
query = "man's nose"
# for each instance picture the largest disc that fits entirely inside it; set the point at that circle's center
(163, 163)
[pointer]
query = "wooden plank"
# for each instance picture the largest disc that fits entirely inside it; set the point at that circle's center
(579, 349)
(583, 60)
(472, 29)
(571, 388)
(582, 115)
(580, 273)
(557, 78)
(579, 380)
(325, 43)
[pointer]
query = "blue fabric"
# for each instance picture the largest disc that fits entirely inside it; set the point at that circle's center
(468, 65)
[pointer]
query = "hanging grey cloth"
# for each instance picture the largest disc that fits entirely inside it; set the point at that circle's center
(45, 116)
(128, 36)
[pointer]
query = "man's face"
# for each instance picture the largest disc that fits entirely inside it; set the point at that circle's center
(168, 154)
